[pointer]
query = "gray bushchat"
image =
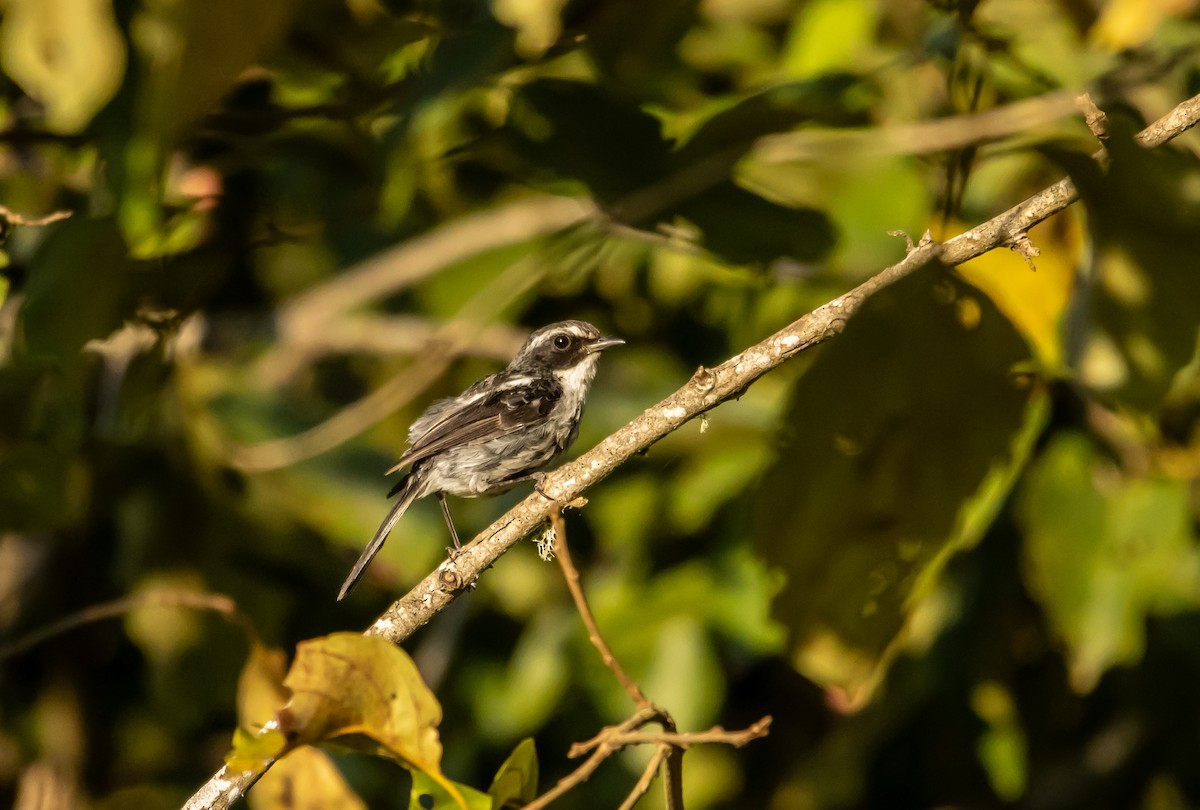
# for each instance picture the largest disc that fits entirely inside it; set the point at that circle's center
(502, 430)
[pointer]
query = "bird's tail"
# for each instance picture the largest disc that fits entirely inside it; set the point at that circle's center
(408, 490)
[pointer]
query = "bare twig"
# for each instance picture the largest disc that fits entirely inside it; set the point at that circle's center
(397, 335)
(562, 553)
(706, 389)
(13, 218)
(157, 598)
(668, 755)
(680, 739)
(1093, 116)
(647, 778)
(443, 348)
(602, 752)
(612, 739)
(921, 138)
(406, 264)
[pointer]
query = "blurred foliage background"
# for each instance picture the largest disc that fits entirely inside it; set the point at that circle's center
(953, 551)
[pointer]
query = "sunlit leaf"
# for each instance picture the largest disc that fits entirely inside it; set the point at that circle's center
(67, 54)
(192, 52)
(1103, 552)
(536, 21)
(305, 779)
(516, 783)
(165, 632)
(1129, 23)
(684, 665)
(519, 697)
(430, 794)
(1003, 749)
(260, 692)
(347, 686)
(1034, 300)
(829, 35)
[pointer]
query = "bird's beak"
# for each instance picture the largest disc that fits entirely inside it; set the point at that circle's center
(603, 342)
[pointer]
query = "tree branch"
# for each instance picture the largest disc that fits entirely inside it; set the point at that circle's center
(707, 389)
(562, 552)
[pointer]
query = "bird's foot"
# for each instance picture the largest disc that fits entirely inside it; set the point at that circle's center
(539, 478)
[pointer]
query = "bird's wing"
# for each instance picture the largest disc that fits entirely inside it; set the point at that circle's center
(515, 402)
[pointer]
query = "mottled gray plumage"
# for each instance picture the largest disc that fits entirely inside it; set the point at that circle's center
(500, 431)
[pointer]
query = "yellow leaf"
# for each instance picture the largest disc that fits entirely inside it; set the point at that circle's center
(538, 23)
(1129, 23)
(67, 54)
(1034, 300)
(306, 779)
(260, 687)
(342, 685)
(349, 684)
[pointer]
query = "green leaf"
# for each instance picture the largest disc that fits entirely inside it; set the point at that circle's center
(581, 131)
(779, 108)
(80, 288)
(67, 54)
(521, 697)
(36, 482)
(743, 227)
(429, 794)
(901, 442)
(829, 35)
(192, 52)
(516, 783)
(1103, 552)
(1003, 749)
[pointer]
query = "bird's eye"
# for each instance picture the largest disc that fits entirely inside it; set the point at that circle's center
(562, 342)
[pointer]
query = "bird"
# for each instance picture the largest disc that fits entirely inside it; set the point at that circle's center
(501, 431)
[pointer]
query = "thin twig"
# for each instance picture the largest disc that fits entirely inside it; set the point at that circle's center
(157, 598)
(1093, 116)
(13, 218)
(673, 780)
(683, 739)
(920, 138)
(402, 388)
(406, 264)
(647, 778)
(562, 553)
(707, 389)
(603, 751)
(644, 715)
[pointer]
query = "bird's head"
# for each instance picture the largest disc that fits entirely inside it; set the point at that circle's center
(563, 347)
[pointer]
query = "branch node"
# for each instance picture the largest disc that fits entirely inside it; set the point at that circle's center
(1093, 116)
(704, 379)
(925, 240)
(1028, 251)
(909, 247)
(545, 543)
(449, 579)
